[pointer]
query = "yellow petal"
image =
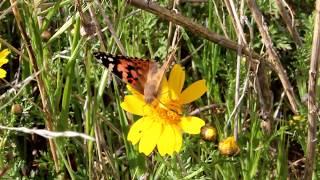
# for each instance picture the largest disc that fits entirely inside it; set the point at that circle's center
(4, 53)
(164, 91)
(176, 80)
(134, 105)
(134, 91)
(150, 138)
(3, 73)
(137, 129)
(164, 83)
(166, 143)
(191, 124)
(178, 137)
(3, 61)
(193, 92)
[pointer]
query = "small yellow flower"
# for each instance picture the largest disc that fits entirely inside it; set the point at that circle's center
(229, 147)
(162, 124)
(3, 60)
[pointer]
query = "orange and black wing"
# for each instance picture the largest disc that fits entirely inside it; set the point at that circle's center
(133, 71)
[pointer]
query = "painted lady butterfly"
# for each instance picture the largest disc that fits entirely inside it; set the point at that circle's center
(142, 74)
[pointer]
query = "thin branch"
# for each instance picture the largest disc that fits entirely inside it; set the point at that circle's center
(273, 58)
(186, 59)
(312, 99)
(17, 89)
(191, 26)
(199, 110)
(218, 39)
(48, 134)
(7, 11)
(289, 22)
(5, 43)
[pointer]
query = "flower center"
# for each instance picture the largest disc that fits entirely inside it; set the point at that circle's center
(168, 115)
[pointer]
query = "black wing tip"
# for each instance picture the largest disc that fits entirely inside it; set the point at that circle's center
(99, 53)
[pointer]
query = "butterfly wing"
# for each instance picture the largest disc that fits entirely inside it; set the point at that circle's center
(143, 75)
(133, 71)
(154, 79)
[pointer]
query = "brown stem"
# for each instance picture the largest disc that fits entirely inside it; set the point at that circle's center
(312, 104)
(265, 97)
(273, 58)
(289, 22)
(190, 25)
(199, 110)
(43, 94)
(221, 40)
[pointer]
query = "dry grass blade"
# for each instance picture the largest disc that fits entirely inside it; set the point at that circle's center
(111, 29)
(312, 99)
(48, 134)
(43, 95)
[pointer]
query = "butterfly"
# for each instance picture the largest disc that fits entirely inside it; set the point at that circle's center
(144, 75)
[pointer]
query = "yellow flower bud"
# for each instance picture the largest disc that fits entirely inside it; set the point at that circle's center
(208, 133)
(16, 109)
(229, 147)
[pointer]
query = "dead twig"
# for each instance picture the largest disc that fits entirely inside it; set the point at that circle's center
(48, 134)
(289, 21)
(221, 40)
(198, 110)
(312, 99)
(273, 59)
(191, 26)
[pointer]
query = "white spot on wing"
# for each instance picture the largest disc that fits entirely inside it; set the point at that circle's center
(99, 60)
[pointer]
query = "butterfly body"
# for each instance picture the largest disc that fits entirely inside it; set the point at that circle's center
(143, 75)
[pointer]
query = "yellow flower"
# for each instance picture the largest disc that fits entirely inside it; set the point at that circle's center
(162, 124)
(3, 60)
(229, 147)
